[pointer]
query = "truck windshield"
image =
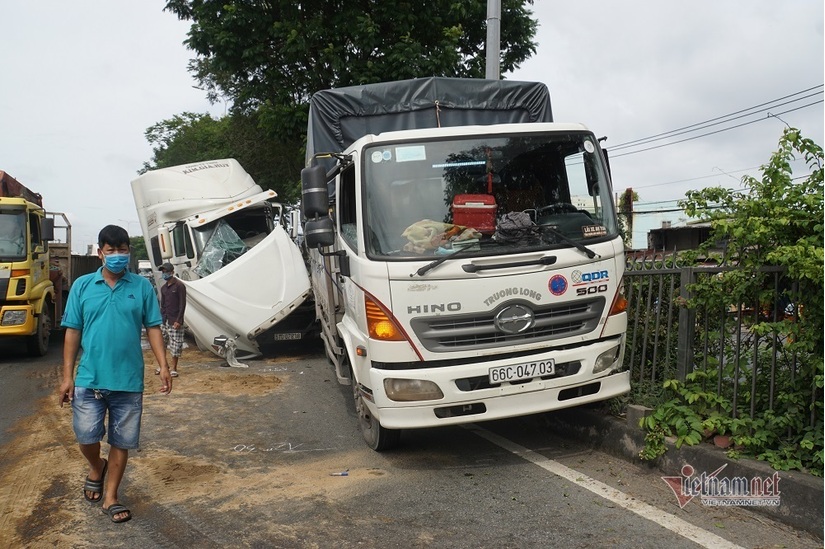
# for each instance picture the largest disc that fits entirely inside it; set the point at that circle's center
(494, 195)
(13, 234)
(220, 242)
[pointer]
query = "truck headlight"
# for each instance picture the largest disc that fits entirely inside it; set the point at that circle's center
(606, 359)
(14, 318)
(405, 390)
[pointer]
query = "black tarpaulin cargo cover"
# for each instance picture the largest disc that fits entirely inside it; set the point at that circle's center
(338, 117)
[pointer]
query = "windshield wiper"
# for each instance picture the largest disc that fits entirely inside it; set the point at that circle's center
(590, 253)
(433, 264)
(547, 260)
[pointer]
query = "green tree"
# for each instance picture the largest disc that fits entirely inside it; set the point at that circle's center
(185, 138)
(275, 54)
(774, 221)
(138, 247)
(268, 58)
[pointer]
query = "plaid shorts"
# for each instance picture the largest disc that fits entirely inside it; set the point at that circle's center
(173, 338)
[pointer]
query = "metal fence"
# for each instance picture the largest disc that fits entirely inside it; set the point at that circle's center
(667, 339)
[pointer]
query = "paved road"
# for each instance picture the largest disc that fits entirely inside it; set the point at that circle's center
(252, 457)
(23, 381)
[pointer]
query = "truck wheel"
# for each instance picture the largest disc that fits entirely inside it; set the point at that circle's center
(38, 344)
(377, 437)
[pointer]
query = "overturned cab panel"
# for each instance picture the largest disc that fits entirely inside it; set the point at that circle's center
(226, 239)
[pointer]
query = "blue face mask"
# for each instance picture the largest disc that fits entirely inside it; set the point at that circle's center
(116, 263)
(166, 276)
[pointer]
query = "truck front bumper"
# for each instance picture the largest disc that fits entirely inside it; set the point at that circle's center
(463, 404)
(511, 405)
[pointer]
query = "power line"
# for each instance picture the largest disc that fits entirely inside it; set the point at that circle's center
(667, 210)
(694, 178)
(706, 123)
(646, 203)
(715, 132)
(697, 125)
(805, 176)
(714, 122)
(701, 127)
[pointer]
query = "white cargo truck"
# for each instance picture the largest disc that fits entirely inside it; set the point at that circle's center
(226, 238)
(465, 256)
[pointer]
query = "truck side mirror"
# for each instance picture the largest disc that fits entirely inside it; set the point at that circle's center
(47, 228)
(319, 233)
(314, 192)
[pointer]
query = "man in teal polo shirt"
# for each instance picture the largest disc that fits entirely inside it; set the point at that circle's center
(104, 316)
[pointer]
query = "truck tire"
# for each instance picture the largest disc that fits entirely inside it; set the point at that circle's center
(377, 437)
(38, 344)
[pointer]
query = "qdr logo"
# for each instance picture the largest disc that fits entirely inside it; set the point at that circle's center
(579, 278)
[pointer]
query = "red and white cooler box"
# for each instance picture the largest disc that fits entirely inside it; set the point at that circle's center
(477, 211)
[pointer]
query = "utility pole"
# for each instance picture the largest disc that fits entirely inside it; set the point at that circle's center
(493, 39)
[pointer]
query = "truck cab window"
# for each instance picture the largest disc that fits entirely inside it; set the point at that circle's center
(347, 213)
(584, 193)
(34, 223)
(178, 240)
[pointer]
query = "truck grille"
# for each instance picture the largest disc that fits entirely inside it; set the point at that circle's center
(478, 331)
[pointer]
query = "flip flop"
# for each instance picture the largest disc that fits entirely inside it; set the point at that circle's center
(95, 486)
(117, 509)
(173, 373)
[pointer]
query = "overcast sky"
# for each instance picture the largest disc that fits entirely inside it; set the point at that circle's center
(81, 81)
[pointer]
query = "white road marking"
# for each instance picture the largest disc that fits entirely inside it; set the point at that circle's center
(649, 512)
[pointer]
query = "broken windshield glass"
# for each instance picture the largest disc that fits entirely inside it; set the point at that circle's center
(222, 248)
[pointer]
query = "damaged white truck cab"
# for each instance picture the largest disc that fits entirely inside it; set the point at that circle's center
(225, 237)
(465, 255)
